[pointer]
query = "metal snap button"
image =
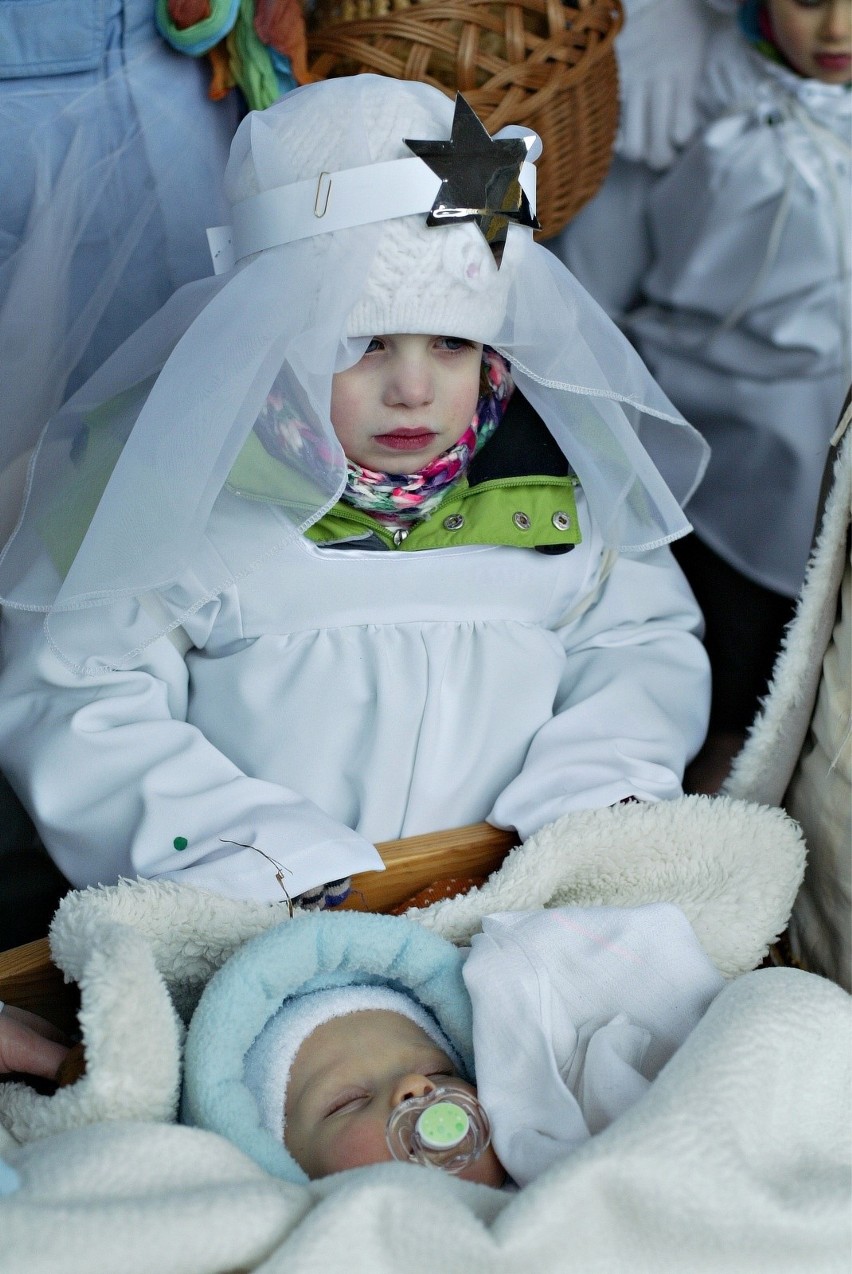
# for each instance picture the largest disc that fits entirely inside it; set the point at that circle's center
(521, 521)
(561, 520)
(454, 522)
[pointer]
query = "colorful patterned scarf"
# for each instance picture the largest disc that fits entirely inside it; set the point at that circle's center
(398, 499)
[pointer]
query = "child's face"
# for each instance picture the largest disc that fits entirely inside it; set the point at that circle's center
(345, 1080)
(815, 37)
(408, 399)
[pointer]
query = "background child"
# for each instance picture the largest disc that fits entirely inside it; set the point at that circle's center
(740, 305)
(111, 167)
(331, 1046)
(260, 634)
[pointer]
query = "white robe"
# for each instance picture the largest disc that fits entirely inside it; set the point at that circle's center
(746, 322)
(338, 697)
(730, 273)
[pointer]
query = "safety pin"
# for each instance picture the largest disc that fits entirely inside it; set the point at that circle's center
(322, 196)
(279, 868)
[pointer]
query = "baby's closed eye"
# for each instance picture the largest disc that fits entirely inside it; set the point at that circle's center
(344, 1102)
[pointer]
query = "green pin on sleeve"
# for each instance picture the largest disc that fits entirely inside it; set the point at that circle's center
(180, 842)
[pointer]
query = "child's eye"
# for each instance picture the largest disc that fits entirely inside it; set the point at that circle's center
(346, 1102)
(453, 343)
(375, 344)
(437, 1068)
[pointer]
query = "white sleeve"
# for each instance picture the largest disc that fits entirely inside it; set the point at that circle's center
(119, 784)
(633, 704)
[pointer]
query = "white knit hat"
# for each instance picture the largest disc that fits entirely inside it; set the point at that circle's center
(442, 281)
(437, 280)
(269, 1060)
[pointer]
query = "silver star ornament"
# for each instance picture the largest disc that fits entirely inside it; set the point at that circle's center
(480, 177)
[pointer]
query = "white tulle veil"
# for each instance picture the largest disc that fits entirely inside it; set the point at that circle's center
(125, 479)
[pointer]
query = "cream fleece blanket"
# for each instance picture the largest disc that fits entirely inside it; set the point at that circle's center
(736, 1159)
(799, 750)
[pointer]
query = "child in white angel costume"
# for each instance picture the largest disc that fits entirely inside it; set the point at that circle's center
(364, 537)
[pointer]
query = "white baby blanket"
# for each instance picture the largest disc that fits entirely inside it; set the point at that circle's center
(575, 1012)
(736, 1161)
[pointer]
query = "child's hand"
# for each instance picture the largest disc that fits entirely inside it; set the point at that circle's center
(29, 1044)
(660, 56)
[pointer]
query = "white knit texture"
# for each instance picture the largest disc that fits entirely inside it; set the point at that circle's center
(439, 280)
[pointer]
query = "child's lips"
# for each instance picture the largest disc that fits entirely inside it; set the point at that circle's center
(834, 61)
(407, 439)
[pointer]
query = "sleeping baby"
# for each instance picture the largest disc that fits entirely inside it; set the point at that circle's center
(340, 1040)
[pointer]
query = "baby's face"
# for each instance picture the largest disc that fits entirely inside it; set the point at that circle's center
(408, 399)
(348, 1076)
(815, 37)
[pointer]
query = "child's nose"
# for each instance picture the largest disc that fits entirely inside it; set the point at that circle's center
(410, 384)
(411, 1086)
(837, 20)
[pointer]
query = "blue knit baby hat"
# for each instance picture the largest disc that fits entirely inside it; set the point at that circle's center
(309, 953)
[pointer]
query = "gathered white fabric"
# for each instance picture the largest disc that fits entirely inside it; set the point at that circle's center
(128, 476)
(575, 1012)
(746, 313)
(731, 272)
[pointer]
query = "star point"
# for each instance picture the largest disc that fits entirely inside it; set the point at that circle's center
(480, 177)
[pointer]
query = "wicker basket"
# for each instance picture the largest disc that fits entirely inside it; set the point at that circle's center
(543, 63)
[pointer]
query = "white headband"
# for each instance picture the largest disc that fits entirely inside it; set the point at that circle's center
(336, 201)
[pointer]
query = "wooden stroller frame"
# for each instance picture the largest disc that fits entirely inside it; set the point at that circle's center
(455, 858)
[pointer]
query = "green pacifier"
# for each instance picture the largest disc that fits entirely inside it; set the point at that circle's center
(446, 1128)
(442, 1126)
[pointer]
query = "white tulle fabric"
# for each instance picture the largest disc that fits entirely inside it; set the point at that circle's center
(111, 166)
(125, 477)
